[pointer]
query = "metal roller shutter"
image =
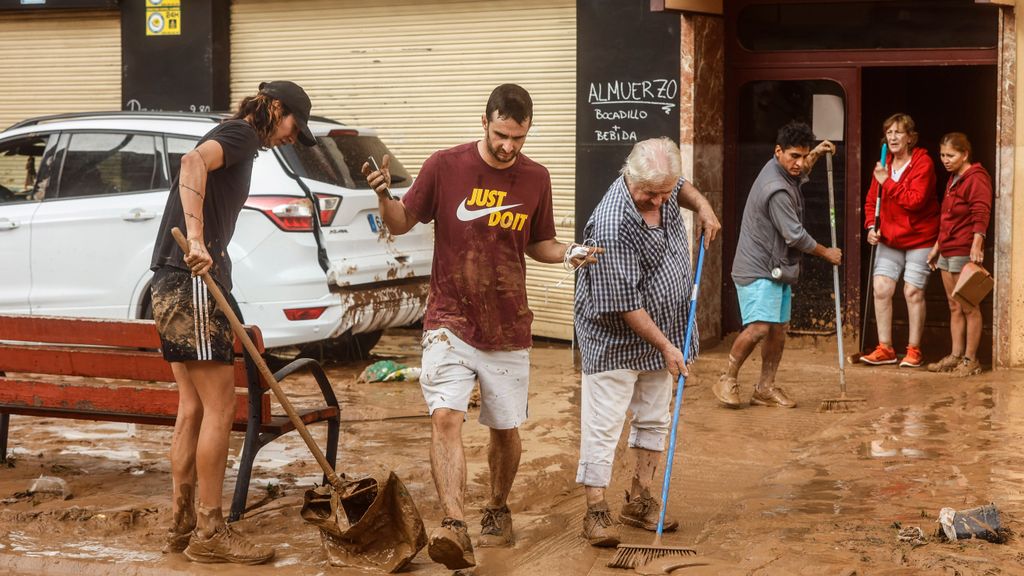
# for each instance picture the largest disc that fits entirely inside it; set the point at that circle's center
(59, 61)
(420, 73)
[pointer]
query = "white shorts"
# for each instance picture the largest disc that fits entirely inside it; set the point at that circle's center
(451, 367)
(606, 397)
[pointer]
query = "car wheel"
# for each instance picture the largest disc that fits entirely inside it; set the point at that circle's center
(344, 348)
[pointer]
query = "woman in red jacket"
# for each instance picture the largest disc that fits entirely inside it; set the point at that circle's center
(966, 210)
(909, 225)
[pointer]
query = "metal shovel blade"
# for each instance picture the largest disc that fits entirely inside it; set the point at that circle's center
(371, 524)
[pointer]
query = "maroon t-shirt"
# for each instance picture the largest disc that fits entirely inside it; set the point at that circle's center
(483, 220)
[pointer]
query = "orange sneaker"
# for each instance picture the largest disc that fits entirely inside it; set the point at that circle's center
(913, 358)
(882, 355)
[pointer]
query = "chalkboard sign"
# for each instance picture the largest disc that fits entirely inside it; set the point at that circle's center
(187, 71)
(627, 70)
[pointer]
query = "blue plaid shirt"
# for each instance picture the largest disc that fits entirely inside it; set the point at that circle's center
(644, 267)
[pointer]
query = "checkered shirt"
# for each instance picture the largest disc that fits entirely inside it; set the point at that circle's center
(642, 267)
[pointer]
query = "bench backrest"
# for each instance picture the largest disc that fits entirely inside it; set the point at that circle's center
(100, 348)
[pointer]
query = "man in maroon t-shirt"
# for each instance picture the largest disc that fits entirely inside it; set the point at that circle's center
(490, 205)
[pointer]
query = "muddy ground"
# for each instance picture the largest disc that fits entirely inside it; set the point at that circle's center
(757, 490)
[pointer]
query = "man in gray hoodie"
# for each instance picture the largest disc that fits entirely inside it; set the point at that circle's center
(771, 244)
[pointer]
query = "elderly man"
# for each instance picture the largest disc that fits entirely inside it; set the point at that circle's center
(631, 311)
(772, 242)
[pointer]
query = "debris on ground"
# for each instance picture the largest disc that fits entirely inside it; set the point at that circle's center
(389, 371)
(50, 486)
(981, 522)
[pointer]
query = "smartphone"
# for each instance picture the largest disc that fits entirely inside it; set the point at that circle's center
(373, 162)
(885, 152)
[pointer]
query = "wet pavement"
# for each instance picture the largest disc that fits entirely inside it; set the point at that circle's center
(757, 490)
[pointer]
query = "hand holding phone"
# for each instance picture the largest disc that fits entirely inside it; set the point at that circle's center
(376, 168)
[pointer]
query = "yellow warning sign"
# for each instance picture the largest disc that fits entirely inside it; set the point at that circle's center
(163, 17)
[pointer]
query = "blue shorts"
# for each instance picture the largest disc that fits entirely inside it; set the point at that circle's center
(765, 300)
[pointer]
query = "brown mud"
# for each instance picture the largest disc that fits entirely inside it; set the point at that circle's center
(756, 490)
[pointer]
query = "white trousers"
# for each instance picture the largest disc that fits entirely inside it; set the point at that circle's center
(605, 399)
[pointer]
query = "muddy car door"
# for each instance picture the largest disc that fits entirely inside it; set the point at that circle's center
(92, 242)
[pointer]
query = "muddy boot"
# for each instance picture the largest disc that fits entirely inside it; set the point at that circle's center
(177, 539)
(495, 527)
(643, 511)
(226, 545)
(450, 545)
(966, 367)
(598, 527)
(727, 390)
(947, 364)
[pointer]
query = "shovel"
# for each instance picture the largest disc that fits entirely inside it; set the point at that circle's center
(344, 506)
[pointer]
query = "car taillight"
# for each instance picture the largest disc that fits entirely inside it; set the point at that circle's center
(293, 214)
(328, 208)
(304, 313)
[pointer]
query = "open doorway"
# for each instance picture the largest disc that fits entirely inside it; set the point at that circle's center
(941, 99)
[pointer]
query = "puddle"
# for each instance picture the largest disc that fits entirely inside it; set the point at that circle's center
(83, 549)
(100, 431)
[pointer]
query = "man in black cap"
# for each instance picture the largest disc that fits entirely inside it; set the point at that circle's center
(205, 200)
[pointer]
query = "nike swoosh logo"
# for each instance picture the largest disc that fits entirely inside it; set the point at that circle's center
(466, 215)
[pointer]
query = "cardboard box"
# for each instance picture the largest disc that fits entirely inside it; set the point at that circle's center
(973, 285)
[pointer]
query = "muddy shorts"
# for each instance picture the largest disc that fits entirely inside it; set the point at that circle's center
(912, 264)
(451, 367)
(765, 300)
(603, 404)
(191, 326)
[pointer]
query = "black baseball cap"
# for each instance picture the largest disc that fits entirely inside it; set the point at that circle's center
(295, 98)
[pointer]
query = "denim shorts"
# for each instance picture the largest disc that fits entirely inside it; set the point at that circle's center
(765, 300)
(953, 264)
(911, 264)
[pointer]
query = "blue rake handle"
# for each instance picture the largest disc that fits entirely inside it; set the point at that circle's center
(679, 392)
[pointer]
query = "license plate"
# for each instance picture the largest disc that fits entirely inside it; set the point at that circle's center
(375, 222)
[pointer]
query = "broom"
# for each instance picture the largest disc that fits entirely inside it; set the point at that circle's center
(633, 555)
(843, 403)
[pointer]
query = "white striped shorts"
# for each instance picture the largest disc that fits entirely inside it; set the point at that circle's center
(191, 326)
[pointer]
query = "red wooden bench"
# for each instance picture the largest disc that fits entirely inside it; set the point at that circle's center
(36, 352)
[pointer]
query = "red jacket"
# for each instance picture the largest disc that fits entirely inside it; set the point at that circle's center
(966, 210)
(910, 210)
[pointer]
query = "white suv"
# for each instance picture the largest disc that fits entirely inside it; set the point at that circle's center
(81, 196)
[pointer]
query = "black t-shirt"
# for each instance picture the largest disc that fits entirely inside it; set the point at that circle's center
(226, 190)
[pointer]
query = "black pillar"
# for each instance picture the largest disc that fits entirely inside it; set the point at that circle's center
(188, 71)
(627, 89)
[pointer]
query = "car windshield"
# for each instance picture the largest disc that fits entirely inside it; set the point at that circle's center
(338, 158)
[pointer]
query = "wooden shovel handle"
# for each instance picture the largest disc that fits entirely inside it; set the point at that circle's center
(261, 365)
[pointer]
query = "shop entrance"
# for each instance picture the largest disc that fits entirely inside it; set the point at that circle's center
(933, 60)
(940, 99)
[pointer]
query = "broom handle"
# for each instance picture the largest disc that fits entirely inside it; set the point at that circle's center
(690, 321)
(871, 263)
(835, 275)
(264, 371)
